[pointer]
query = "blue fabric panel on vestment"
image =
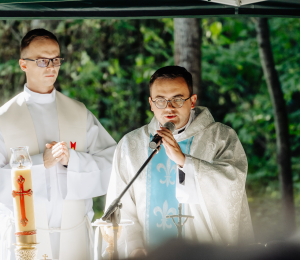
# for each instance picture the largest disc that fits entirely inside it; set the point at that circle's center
(161, 196)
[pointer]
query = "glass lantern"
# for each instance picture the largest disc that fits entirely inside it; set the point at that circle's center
(20, 158)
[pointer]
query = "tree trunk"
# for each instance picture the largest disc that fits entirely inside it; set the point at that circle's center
(281, 124)
(187, 42)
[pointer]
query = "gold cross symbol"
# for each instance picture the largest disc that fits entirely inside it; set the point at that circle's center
(45, 256)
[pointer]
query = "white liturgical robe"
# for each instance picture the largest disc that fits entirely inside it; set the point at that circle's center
(213, 190)
(86, 176)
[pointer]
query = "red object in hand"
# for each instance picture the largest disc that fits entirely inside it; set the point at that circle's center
(73, 145)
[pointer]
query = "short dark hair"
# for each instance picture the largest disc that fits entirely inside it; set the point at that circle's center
(173, 72)
(36, 33)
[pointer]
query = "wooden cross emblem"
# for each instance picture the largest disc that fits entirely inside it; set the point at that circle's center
(22, 193)
(45, 256)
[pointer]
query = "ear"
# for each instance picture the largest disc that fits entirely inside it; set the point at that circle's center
(150, 102)
(23, 64)
(193, 99)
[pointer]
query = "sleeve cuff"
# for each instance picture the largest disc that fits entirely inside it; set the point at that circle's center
(187, 164)
(187, 193)
(82, 172)
(37, 159)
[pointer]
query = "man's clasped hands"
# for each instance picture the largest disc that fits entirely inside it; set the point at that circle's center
(56, 152)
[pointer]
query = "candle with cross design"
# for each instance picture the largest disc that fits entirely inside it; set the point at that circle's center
(22, 194)
(23, 199)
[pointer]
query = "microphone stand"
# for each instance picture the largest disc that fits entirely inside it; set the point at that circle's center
(113, 213)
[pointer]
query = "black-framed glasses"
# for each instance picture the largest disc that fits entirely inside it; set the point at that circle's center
(176, 102)
(45, 62)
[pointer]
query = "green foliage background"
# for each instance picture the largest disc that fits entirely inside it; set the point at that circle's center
(108, 64)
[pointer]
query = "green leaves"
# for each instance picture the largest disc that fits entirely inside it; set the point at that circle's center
(235, 91)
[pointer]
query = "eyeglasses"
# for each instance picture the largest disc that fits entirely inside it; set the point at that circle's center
(45, 62)
(176, 102)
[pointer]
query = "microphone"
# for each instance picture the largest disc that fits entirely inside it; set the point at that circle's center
(156, 139)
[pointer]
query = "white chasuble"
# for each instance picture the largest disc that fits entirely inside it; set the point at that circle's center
(63, 206)
(213, 191)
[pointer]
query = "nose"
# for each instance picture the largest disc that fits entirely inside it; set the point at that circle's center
(169, 105)
(49, 65)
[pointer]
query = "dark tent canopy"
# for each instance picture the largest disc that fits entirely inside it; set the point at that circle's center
(66, 9)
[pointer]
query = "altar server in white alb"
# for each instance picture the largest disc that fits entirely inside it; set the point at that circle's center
(71, 153)
(202, 165)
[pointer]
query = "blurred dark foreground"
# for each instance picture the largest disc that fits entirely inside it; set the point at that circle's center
(186, 250)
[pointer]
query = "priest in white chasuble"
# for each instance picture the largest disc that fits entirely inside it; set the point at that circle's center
(71, 152)
(201, 165)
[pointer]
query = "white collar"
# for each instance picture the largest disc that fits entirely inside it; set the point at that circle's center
(176, 132)
(33, 97)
